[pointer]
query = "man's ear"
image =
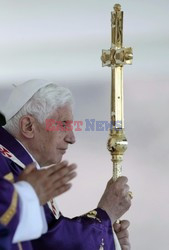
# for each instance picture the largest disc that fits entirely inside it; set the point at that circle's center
(27, 126)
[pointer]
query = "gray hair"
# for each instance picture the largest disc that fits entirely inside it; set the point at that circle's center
(45, 101)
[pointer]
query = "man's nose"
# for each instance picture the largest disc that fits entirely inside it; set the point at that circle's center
(70, 137)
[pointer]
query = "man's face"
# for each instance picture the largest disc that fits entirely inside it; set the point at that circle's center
(49, 146)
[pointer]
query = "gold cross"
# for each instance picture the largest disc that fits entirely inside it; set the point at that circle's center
(116, 57)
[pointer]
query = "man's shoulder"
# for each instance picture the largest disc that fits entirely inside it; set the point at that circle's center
(7, 166)
(4, 164)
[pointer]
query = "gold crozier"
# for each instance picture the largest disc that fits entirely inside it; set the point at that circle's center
(116, 57)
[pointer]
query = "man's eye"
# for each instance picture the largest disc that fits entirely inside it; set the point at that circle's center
(64, 124)
(61, 124)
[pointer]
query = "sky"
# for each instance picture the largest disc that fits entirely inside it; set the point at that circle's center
(62, 41)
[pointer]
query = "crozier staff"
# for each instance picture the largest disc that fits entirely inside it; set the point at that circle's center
(116, 57)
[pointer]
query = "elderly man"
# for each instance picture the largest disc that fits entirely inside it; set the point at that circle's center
(25, 138)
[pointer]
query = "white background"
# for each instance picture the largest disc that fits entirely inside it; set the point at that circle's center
(62, 41)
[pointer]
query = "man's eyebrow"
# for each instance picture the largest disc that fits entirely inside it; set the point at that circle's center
(66, 120)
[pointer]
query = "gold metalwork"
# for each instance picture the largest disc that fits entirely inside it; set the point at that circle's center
(9, 177)
(93, 214)
(20, 246)
(130, 194)
(11, 211)
(116, 57)
(118, 222)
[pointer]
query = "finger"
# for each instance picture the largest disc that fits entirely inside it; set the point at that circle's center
(126, 247)
(61, 190)
(69, 177)
(125, 224)
(127, 203)
(122, 180)
(71, 167)
(110, 181)
(29, 168)
(55, 167)
(125, 242)
(117, 227)
(64, 171)
(59, 183)
(123, 234)
(125, 190)
(57, 170)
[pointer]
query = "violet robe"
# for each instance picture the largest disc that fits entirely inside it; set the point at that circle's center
(9, 213)
(92, 231)
(5, 242)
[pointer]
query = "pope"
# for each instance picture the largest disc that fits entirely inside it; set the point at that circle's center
(25, 139)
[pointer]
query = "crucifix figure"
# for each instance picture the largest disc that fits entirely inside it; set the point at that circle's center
(116, 57)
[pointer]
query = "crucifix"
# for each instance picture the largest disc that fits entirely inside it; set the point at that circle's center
(116, 57)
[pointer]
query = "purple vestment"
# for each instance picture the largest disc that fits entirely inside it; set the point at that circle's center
(88, 232)
(5, 238)
(9, 209)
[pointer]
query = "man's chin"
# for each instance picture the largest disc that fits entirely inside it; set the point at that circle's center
(52, 162)
(56, 161)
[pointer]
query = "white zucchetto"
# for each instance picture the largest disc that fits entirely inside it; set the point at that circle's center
(20, 94)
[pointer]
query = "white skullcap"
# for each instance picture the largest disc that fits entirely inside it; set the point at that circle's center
(20, 94)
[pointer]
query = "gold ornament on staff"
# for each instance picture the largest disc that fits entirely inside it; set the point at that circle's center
(116, 57)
